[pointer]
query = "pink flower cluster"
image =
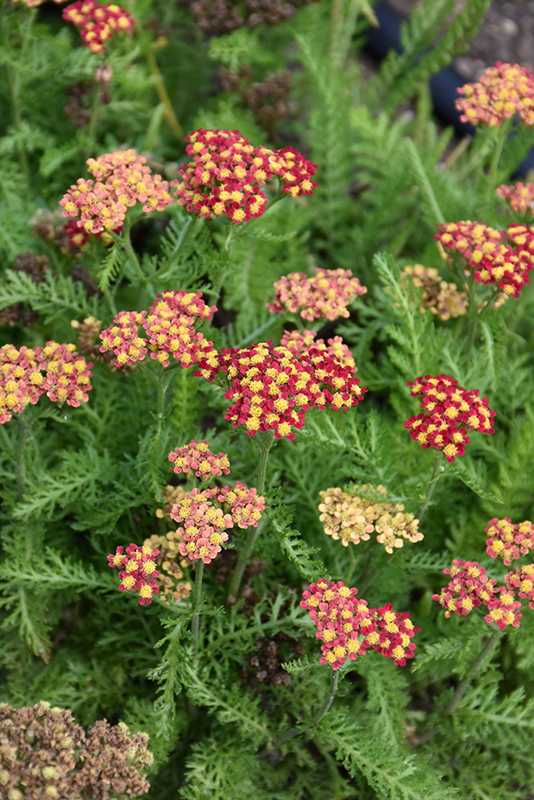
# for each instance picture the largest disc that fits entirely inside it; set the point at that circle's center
(341, 620)
(55, 370)
(326, 295)
(509, 541)
(502, 258)
(447, 406)
(470, 586)
(206, 514)
(519, 197)
(98, 23)
(271, 388)
(122, 180)
(137, 571)
(224, 178)
(196, 457)
(170, 331)
(502, 91)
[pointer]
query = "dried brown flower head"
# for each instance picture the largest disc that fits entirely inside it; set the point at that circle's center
(441, 298)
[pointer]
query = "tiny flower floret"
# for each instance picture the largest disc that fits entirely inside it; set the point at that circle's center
(447, 407)
(55, 370)
(500, 258)
(347, 627)
(224, 177)
(502, 91)
(98, 23)
(326, 295)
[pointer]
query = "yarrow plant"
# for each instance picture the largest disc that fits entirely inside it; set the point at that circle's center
(325, 295)
(224, 177)
(447, 406)
(26, 374)
(502, 91)
(351, 516)
(519, 197)
(502, 258)
(98, 23)
(341, 620)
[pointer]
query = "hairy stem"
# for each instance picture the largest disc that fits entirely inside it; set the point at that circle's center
(134, 261)
(197, 593)
(321, 714)
(436, 474)
(248, 547)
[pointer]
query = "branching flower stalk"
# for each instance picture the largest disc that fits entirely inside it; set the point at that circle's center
(246, 551)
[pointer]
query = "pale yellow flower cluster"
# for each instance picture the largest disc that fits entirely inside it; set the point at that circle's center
(352, 516)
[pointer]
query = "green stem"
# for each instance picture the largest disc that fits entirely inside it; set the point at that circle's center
(163, 379)
(248, 547)
(93, 118)
(321, 714)
(494, 164)
(462, 686)
(436, 474)
(134, 261)
(197, 593)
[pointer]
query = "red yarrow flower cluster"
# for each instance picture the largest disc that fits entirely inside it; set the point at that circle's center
(224, 177)
(271, 388)
(326, 295)
(122, 180)
(509, 541)
(521, 580)
(170, 332)
(519, 197)
(206, 514)
(197, 458)
(98, 23)
(447, 406)
(347, 627)
(137, 570)
(501, 258)
(470, 587)
(55, 370)
(502, 91)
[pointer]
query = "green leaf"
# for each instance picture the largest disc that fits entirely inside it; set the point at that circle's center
(461, 472)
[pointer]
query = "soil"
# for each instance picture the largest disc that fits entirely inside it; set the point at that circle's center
(506, 34)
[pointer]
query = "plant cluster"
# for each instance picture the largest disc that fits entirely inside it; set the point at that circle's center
(197, 549)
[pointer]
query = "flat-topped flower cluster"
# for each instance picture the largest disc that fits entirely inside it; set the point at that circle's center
(226, 173)
(519, 197)
(27, 373)
(98, 23)
(502, 258)
(470, 586)
(204, 516)
(325, 295)
(501, 92)
(170, 328)
(347, 627)
(122, 179)
(352, 516)
(272, 387)
(447, 406)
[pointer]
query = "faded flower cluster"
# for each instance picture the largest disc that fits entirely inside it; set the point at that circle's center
(502, 91)
(122, 180)
(441, 298)
(170, 327)
(446, 407)
(55, 370)
(347, 627)
(352, 516)
(325, 295)
(45, 754)
(226, 173)
(501, 258)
